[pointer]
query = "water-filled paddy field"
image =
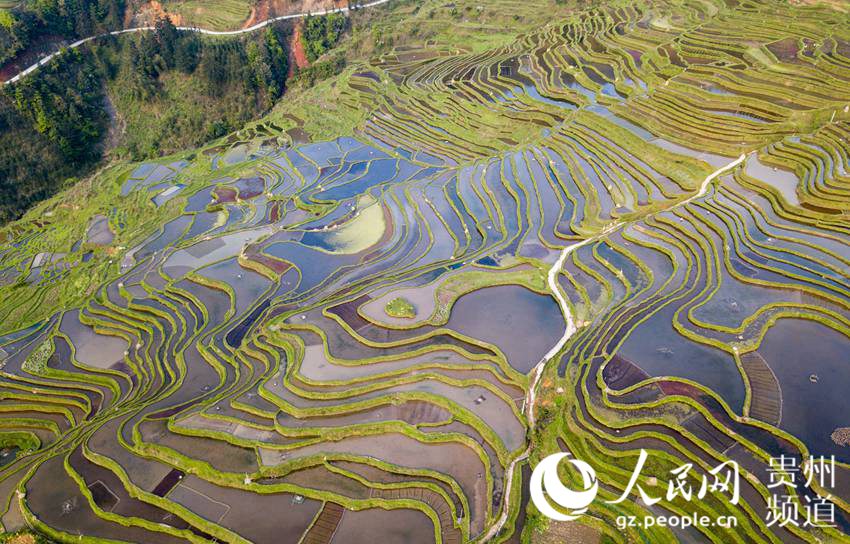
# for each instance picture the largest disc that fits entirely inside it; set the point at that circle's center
(618, 230)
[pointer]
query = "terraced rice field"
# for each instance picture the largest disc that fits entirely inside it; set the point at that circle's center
(677, 172)
(215, 15)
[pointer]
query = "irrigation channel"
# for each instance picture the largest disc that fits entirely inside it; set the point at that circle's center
(23, 73)
(569, 330)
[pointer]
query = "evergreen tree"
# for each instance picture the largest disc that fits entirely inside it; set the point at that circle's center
(168, 39)
(278, 60)
(187, 52)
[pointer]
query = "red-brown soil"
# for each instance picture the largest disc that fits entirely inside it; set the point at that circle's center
(296, 48)
(259, 12)
(150, 11)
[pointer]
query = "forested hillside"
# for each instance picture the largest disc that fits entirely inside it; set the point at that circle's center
(31, 21)
(159, 91)
(175, 89)
(50, 130)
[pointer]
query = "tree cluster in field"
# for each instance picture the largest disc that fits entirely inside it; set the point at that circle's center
(322, 33)
(321, 70)
(68, 19)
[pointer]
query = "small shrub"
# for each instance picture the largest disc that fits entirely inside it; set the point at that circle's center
(400, 308)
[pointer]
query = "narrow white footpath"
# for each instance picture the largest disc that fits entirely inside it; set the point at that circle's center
(569, 330)
(711, 177)
(258, 26)
(537, 371)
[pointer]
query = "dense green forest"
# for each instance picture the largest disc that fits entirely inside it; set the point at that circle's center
(169, 90)
(68, 19)
(258, 62)
(64, 103)
(50, 130)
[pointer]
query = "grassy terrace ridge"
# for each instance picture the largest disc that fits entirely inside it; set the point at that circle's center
(501, 231)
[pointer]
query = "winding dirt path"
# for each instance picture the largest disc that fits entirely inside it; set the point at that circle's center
(569, 331)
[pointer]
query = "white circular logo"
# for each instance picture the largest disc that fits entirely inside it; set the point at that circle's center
(545, 476)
